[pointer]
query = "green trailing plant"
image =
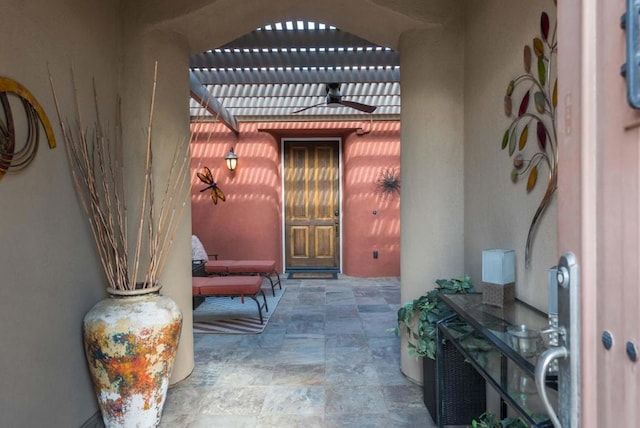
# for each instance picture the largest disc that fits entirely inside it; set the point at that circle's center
(536, 112)
(418, 317)
(489, 420)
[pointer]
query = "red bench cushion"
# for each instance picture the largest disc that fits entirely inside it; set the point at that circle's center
(226, 285)
(240, 266)
(252, 266)
(216, 266)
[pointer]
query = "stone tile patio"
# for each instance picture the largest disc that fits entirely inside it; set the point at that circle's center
(326, 359)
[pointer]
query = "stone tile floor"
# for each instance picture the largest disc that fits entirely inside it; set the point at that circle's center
(326, 359)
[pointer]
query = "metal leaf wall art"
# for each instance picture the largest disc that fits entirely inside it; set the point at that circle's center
(535, 93)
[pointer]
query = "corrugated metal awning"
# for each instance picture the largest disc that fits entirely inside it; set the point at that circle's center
(277, 69)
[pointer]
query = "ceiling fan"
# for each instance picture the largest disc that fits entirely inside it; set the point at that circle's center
(334, 97)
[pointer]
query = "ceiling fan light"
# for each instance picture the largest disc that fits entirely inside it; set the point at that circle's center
(334, 99)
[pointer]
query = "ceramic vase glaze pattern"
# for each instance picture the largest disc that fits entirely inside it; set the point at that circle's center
(130, 343)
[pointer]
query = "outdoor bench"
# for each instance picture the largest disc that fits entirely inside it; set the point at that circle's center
(231, 286)
(264, 268)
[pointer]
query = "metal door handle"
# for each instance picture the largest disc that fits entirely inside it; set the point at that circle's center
(541, 378)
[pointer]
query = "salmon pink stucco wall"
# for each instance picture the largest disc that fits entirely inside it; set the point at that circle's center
(371, 219)
(248, 225)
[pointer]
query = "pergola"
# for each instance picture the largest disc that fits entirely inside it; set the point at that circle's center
(280, 68)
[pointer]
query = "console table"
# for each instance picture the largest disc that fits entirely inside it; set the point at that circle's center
(479, 333)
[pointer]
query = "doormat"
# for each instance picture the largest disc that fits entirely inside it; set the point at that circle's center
(313, 275)
(224, 315)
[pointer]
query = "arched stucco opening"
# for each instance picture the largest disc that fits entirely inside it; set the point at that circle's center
(429, 39)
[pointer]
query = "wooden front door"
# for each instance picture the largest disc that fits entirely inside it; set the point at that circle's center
(599, 206)
(312, 235)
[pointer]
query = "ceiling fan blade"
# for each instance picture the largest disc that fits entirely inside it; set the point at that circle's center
(358, 106)
(307, 108)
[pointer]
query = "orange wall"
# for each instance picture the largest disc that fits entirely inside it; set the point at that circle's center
(249, 224)
(364, 157)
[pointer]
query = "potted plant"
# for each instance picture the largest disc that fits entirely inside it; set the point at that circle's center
(418, 318)
(131, 337)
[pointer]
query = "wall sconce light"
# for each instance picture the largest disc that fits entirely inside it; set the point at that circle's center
(231, 159)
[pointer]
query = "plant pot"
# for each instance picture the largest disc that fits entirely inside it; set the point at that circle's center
(130, 341)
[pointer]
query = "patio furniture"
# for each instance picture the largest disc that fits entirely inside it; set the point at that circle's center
(264, 268)
(231, 286)
(213, 266)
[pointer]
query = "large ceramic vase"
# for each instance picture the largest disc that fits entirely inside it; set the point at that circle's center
(130, 340)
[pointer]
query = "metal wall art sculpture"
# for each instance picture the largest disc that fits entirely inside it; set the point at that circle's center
(207, 178)
(12, 157)
(539, 87)
(388, 182)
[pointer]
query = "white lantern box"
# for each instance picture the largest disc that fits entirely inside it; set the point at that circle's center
(498, 276)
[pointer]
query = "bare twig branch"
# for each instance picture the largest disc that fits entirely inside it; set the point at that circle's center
(98, 182)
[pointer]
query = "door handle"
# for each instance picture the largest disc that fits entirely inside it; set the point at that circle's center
(542, 366)
(629, 23)
(566, 356)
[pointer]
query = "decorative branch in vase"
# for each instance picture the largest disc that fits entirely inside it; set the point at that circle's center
(131, 337)
(540, 114)
(98, 181)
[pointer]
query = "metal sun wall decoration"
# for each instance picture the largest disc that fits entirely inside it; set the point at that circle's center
(388, 182)
(13, 159)
(541, 115)
(207, 178)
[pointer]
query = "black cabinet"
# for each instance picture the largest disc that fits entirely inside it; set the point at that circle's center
(454, 392)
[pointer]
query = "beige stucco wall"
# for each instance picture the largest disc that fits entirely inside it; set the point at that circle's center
(432, 205)
(50, 276)
(143, 50)
(50, 273)
(452, 205)
(497, 212)
(453, 208)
